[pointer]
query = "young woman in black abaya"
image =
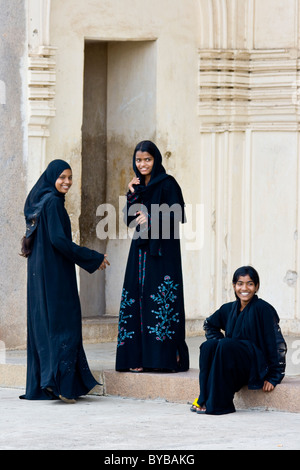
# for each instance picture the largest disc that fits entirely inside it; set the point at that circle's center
(251, 353)
(152, 318)
(56, 362)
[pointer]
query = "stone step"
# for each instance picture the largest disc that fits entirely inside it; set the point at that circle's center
(12, 375)
(183, 387)
(105, 329)
(180, 387)
(99, 329)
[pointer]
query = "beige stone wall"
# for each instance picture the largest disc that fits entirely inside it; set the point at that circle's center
(215, 83)
(249, 133)
(13, 172)
(221, 100)
(152, 63)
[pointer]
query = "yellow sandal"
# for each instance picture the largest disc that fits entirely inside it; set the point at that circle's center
(195, 405)
(196, 408)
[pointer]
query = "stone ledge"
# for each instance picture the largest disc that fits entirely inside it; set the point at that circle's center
(99, 329)
(285, 397)
(181, 387)
(12, 375)
(105, 329)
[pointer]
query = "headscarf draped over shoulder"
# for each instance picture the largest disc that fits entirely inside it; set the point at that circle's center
(41, 192)
(158, 172)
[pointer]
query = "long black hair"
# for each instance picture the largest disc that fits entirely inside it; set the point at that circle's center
(27, 245)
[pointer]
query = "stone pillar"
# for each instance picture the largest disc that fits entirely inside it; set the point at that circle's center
(41, 83)
(13, 160)
(249, 127)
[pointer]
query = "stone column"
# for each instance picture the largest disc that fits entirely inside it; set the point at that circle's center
(249, 127)
(41, 83)
(13, 158)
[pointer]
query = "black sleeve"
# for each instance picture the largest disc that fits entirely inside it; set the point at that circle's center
(215, 323)
(275, 346)
(132, 206)
(87, 259)
(165, 217)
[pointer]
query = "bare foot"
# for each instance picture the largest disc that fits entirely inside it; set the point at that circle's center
(201, 410)
(198, 408)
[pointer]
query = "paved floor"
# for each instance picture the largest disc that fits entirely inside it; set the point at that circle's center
(103, 355)
(110, 423)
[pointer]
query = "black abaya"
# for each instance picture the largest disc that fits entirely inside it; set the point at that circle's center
(55, 356)
(252, 351)
(152, 318)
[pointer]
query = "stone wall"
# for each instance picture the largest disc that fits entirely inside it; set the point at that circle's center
(214, 82)
(13, 170)
(152, 63)
(226, 119)
(248, 110)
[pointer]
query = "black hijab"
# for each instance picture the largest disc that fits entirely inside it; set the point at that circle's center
(158, 172)
(41, 192)
(151, 194)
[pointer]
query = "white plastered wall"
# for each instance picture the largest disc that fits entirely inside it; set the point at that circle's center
(249, 123)
(170, 28)
(229, 134)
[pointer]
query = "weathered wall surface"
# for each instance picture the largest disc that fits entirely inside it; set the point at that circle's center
(13, 154)
(249, 139)
(214, 82)
(151, 94)
(224, 112)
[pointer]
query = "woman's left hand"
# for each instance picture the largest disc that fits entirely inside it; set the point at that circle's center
(135, 181)
(141, 218)
(268, 387)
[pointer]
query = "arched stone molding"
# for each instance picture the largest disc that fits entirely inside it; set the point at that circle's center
(41, 85)
(226, 24)
(242, 86)
(255, 89)
(249, 122)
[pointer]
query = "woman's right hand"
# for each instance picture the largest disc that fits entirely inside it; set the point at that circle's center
(134, 180)
(104, 263)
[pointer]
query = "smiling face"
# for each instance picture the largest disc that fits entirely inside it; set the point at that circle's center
(144, 163)
(64, 181)
(245, 289)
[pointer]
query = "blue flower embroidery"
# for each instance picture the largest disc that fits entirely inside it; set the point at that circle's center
(164, 297)
(123, 333)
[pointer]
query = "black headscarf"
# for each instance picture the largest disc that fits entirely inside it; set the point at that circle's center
(151, 194)
(158, 172)
(41, 192)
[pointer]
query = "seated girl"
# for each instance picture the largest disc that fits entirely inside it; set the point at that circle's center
(252, 351)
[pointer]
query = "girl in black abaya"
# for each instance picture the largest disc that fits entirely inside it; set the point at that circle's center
(56, 362)
(251, 353)
(152, 319)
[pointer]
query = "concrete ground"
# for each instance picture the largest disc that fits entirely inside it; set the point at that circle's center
(111, 423)
(103, 355)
